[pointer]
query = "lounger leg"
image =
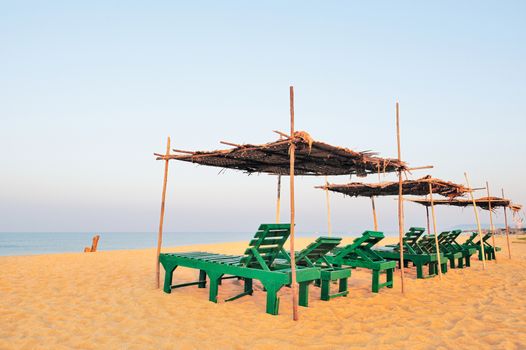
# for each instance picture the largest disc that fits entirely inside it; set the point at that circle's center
(419, 271)
(452, 263)
(168, 275)
(461, 263)
(376, 282)
(214, 285)
(248, 285)
(272, 297)
(444, 267)
(343, 286)
(432, 269)
(304, 294)
(468, 261)
(202, 279)
(325, 289)
(389, 273)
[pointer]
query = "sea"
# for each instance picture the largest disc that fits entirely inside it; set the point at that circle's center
(31, 243)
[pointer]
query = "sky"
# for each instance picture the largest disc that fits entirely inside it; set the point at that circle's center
(91, 89)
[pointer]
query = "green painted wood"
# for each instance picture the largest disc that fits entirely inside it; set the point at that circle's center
(258, 263)
(313, 256)
(360, 254)
(415, 253)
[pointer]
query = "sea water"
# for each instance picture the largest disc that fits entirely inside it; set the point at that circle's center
(29, 243)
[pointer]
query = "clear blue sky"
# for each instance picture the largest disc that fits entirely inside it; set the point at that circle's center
(91, 89)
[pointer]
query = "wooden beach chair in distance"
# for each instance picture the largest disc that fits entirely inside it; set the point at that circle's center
(258, 262)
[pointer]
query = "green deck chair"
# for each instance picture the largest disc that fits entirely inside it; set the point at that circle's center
(474, 242)
(258, 262)
(360, 254)
(428, 245)
(451, 245)
(413, 252)
(467, 252)
(314, 255)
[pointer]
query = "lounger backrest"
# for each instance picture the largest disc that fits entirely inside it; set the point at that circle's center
(267, 243)
(452, 238)
(316, 250)
(360, 248)
(412, 236)
(427, 244)
(443, 238)
(469, 241)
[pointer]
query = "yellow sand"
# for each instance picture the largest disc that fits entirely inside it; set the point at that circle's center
(107, 300)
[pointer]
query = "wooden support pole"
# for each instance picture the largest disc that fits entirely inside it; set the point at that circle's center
(278, 204)
(507, 228)
(437, 247)
(400, 202)
(427, 216)
(491, 227)
(478, 223)
(294, 286)
(161, 219)
(329, 228)
(374, 214)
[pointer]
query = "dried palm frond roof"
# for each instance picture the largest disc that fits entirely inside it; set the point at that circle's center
(419, 187)
(515, 207)
(311, 158)
(483, 202)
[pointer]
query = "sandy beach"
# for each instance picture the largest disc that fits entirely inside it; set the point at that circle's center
(108, 300)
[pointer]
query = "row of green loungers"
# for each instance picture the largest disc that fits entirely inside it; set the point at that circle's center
(267, 261)
(321, 262)
(414, 253)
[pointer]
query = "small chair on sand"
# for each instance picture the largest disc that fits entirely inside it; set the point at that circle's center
(412, 253)
(258, 262)
(315, 255)
(360, 254)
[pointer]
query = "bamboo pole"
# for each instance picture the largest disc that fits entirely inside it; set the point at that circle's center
(435, 230)
(478, 222)
(507, 228)
(295, 315)
(374, 214)
(328, 207)
(161, 219)
(491, 227)
(278, 204)
(427, 217)
(400, 202)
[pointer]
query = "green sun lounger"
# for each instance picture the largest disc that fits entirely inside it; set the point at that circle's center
(314, 255)
(412, 253)
(360, 254)
(258, 262)
(474, 242)
(428, 244)
(450, 243)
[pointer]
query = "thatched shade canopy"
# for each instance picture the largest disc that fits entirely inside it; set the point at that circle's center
(418, 187)
(312, 158)
(483, 202)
